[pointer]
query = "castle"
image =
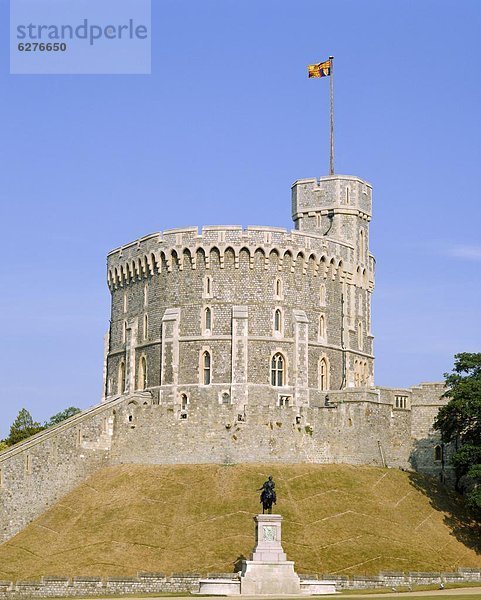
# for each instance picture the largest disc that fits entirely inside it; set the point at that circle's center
(238, 345)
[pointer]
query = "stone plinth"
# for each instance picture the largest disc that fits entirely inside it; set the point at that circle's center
(268, 571)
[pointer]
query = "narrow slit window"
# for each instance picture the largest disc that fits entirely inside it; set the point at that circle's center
(208, 319)
(206, 368)
(322, 295)
(277, 321)
(322, 327)
(362, 246)
(323, 374)
(121, 382)
(208, 286)
(143, 373)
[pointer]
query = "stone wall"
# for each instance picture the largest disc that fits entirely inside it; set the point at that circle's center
(184, 295)
(310, 287)
(152, 583)
(354, 426)
(39, 471)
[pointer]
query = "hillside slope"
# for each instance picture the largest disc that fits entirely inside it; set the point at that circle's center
(337, 519)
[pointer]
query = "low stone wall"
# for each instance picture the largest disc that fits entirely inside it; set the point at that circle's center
(61, 587)
(152, 583)
(403, 580)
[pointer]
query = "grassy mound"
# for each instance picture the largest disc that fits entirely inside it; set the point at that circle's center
(198, 518)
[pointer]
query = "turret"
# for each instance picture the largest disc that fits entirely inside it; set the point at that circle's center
(336, 206)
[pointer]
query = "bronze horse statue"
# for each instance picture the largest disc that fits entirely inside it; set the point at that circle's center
(268, 495)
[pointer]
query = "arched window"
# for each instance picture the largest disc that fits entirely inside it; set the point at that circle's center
(359, 335)
(324, 374)
(277, 321)
(142, 383)
(277, 370)
(208, 319)
(206, 368)
(438, 452)
(121, 380)
(184, 401)
(146, 327)
(278, 288)
(322, 327)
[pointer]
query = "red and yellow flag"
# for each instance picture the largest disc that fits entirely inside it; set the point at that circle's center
(322, 69)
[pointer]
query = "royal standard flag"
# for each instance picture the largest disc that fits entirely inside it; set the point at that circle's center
(322, 69)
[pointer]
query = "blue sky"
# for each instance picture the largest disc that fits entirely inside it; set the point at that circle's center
(216, 135)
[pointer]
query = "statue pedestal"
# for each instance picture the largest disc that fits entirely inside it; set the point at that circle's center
(268, 571)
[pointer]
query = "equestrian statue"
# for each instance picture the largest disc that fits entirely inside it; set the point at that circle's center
(268, 495)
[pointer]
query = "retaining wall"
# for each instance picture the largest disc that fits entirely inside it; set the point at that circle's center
(152, 583)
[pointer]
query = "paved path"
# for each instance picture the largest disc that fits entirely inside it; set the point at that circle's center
(471, 591)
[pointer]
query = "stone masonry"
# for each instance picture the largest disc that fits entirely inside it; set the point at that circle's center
(234, 345)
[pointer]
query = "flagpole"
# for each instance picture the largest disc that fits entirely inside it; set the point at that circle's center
(331, 94)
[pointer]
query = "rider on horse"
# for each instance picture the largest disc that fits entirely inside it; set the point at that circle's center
(268, 496)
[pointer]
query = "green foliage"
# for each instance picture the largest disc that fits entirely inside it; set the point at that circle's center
(22, 428)
(460, 419)
(460, 422)
(61, 416)
(465, 457)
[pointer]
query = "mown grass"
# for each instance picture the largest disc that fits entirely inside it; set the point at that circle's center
(198, 518)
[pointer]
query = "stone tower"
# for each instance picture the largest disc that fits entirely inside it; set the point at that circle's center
(339, 207)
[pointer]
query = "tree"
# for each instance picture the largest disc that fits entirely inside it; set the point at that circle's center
(459, 422)
(61, 416)
(23, 427)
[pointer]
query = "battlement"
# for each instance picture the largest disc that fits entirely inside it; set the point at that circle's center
(335, 191)
(223, 234)
(180, 246)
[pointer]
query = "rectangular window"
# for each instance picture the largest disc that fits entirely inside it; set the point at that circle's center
(285, 400)
(401, 401)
